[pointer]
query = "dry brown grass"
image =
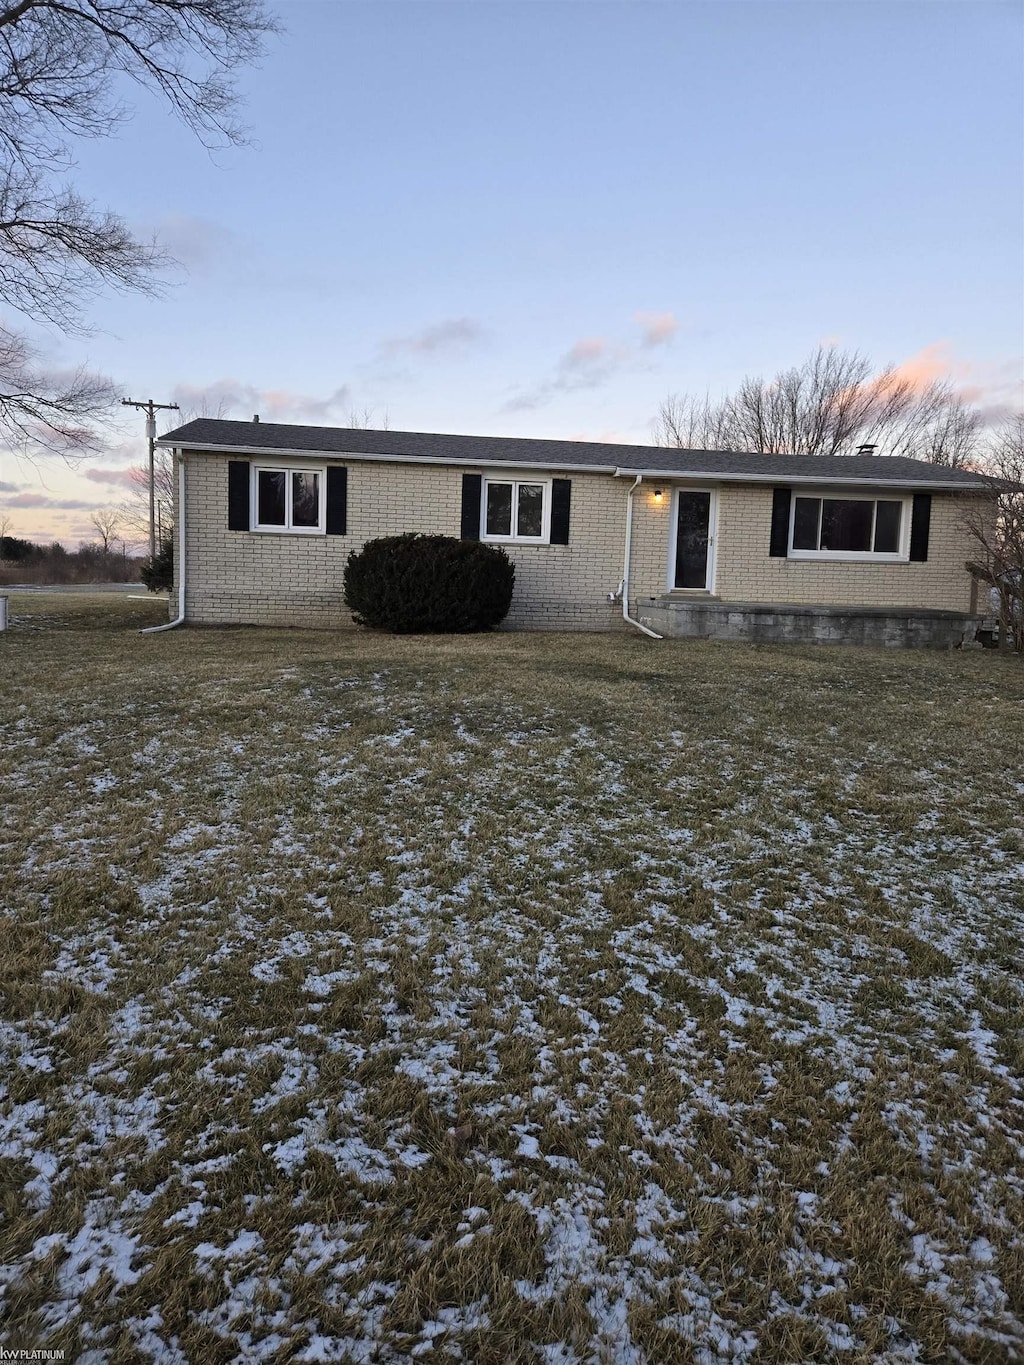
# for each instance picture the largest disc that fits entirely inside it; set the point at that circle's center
(515, 997)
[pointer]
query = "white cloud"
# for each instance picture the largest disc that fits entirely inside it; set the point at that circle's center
(587, 364)
(197, 244)
(454, 334)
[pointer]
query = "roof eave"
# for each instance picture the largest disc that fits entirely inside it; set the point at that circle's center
(845, 481)
(617, 471)
(285, 452)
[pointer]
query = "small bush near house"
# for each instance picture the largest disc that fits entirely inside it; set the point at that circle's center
(415, 583)
(158, 573)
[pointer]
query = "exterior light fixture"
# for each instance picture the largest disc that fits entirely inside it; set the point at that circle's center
(658, 495)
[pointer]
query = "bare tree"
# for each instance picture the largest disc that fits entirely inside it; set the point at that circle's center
(829, 405)
(135, 509)
(365, 420)
(691, 423)
(60, 64)
(107, 521)
(999, 536)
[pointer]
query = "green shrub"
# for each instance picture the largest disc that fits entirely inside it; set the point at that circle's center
(429, 583)
(158, 573)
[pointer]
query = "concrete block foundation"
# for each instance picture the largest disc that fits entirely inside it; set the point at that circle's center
(775, 623)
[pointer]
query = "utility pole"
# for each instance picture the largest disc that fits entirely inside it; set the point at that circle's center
(150, 409)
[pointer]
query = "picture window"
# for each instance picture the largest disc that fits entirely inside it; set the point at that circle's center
(848, 527)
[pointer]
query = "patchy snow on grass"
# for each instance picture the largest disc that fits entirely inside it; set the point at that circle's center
(517, 998)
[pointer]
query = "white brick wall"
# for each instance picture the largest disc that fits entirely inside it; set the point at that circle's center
(748, 574)
(266, 578)
(271, 579)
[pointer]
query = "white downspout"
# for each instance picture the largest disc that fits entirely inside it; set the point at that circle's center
(179, 556)
(624, 585)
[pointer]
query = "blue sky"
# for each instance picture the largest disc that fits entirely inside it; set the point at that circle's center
(541, 218)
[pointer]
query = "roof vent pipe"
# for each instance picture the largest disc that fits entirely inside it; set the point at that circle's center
(255, 417)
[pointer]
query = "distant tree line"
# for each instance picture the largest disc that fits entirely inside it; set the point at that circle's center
(23, 561)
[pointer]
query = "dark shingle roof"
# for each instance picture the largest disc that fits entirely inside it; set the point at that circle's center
(208, 433)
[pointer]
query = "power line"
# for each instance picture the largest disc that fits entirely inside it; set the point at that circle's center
(150, 409)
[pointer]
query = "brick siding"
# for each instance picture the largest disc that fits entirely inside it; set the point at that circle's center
(280, 579)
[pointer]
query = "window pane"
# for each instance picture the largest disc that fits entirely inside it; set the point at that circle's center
(845, 524)
(305, 499)
(499, 509)
(270, 498)
(805, 523)
(887, 527)
(531, 509)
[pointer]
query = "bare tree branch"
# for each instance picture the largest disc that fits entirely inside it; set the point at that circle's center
(62, 70)
(57, 252)
(59, 58)
(50, 410)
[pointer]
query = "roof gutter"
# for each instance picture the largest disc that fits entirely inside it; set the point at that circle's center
(814, 480)
(179, 557)
(392, 458)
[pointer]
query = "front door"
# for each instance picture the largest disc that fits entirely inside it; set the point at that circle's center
(693, 539)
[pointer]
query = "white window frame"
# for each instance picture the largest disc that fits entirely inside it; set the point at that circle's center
(279, 467)
(545, 514)
(901, 556)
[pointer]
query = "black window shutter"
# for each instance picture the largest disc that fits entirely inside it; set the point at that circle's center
(778, 547)
(337, 500)
(561, 498)
(238, 495)
(920, 523)
(471, 488)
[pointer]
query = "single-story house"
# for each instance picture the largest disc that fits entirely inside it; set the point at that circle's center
(673, 542)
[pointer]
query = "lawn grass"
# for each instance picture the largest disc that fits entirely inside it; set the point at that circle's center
(506, 998)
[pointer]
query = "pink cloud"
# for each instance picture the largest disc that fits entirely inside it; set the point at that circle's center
(41, 500)
(29, 500)
(122, 477)
(657, 328)
(231, 398)
(930, 365)
(996, 389)
(586, 351)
